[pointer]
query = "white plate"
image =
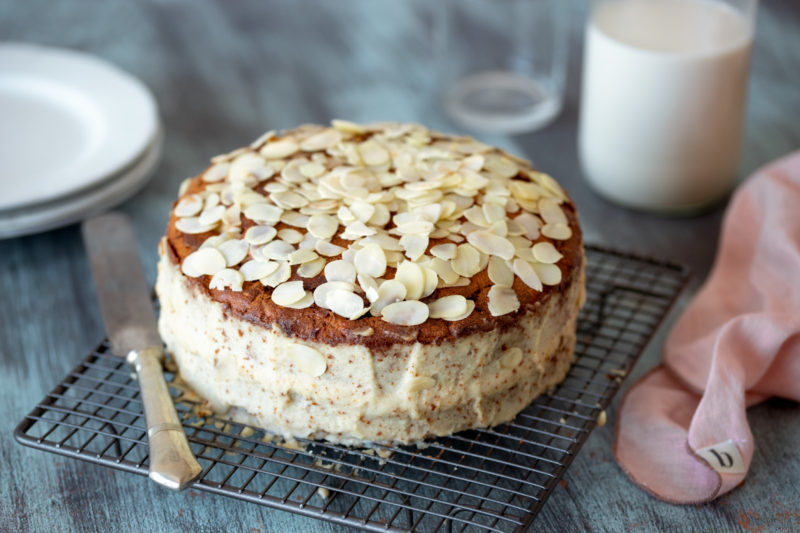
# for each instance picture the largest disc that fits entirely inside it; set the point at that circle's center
(64, 211)
(69, 121)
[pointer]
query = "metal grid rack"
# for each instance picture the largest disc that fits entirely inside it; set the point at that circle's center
(489, 479)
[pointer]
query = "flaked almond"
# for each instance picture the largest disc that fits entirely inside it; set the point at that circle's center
(511, 358)
(203, 262)
(559, 232)
(227, 278)
(234, 251)
(253, 270)
(189, 205)
(322, 140)
(370, 260)
(298, 257)
(545, 252)
(412, 277)
(527, 274)
(328, 249)
(549, 274)
(491, 244)
(502, 300)
(405, 313)
(448, 306)
(263, 212)
(192, 226)
(307, 359)
(280, 148)
(500, 273)
(345, 303)
(216, 172)
(260, 234)
(288, 293)
(281, 274)
(467, 261)
(323, 290)
(311, 268)
(292, 236)
(389, 292)
(444, 251)
(340, 271)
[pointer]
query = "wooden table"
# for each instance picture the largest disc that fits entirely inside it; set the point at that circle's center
(225, 72)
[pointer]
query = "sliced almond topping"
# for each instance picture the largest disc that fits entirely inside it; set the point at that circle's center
(443, 270)
(234, 251)
(421, 383)
(365, 331)
(390, 291)
(292, 218)
(288, 200)
(346, 126)
(345, 303)
(189, 205)
(298, 257)
(292, 236)
(511, 358)
(559, 232)
(211, 215)
(276, 250)
(467, 261)
(549, 274)
(551, 212)
(192, 226)
(322, 140)
(491, 244)
(406, 313)
(527, 274)
(369, 286)
(414, 245)
(431, 281)
(448, 306)
(340, 271)
(322, 226)
(357, 229)
(260, 234)
(263, 212)
(470, 308)
(302, 303)
(281, 274)
(253, 270)
(279, 149)
(216, 172)
(502, 300)
(311, 268)
(545, 252)
(530, 225)
(500, 273)
(411, 275)
(328, 249)
(370, 260)
(322, 291)
(227, 278)
(312, 170)
(307, 359)
(373, 154)
(203, 262)
(363, 211)
(288, 293)
(444, 251)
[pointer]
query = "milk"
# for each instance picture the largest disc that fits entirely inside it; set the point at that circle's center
(663, 99)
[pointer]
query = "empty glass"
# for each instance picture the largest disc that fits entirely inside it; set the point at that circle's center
(502, 63)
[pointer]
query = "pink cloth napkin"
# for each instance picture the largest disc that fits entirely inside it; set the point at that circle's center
(682, 431)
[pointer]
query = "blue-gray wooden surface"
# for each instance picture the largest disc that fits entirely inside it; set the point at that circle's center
(225, 72)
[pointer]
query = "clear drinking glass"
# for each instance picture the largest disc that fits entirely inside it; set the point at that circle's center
(502, 63)
(663, 100)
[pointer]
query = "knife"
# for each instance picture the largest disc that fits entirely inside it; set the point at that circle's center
(131, 326)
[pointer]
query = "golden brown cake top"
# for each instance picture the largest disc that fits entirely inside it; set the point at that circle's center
(375, 234)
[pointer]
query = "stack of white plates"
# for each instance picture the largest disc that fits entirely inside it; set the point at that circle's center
(77, 136)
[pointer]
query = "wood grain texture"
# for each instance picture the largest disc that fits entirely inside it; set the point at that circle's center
(225, 72)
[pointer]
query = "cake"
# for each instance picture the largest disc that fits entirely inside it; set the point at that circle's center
(370, 283)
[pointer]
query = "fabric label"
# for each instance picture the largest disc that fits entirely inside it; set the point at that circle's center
(723, 457)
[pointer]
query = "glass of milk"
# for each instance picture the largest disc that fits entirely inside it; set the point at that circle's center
(663, 100)
(502, 63)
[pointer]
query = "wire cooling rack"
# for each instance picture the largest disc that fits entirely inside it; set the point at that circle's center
(481, 480)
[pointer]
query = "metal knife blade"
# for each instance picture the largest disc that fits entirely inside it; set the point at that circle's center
(123, 292)
(131, 326)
